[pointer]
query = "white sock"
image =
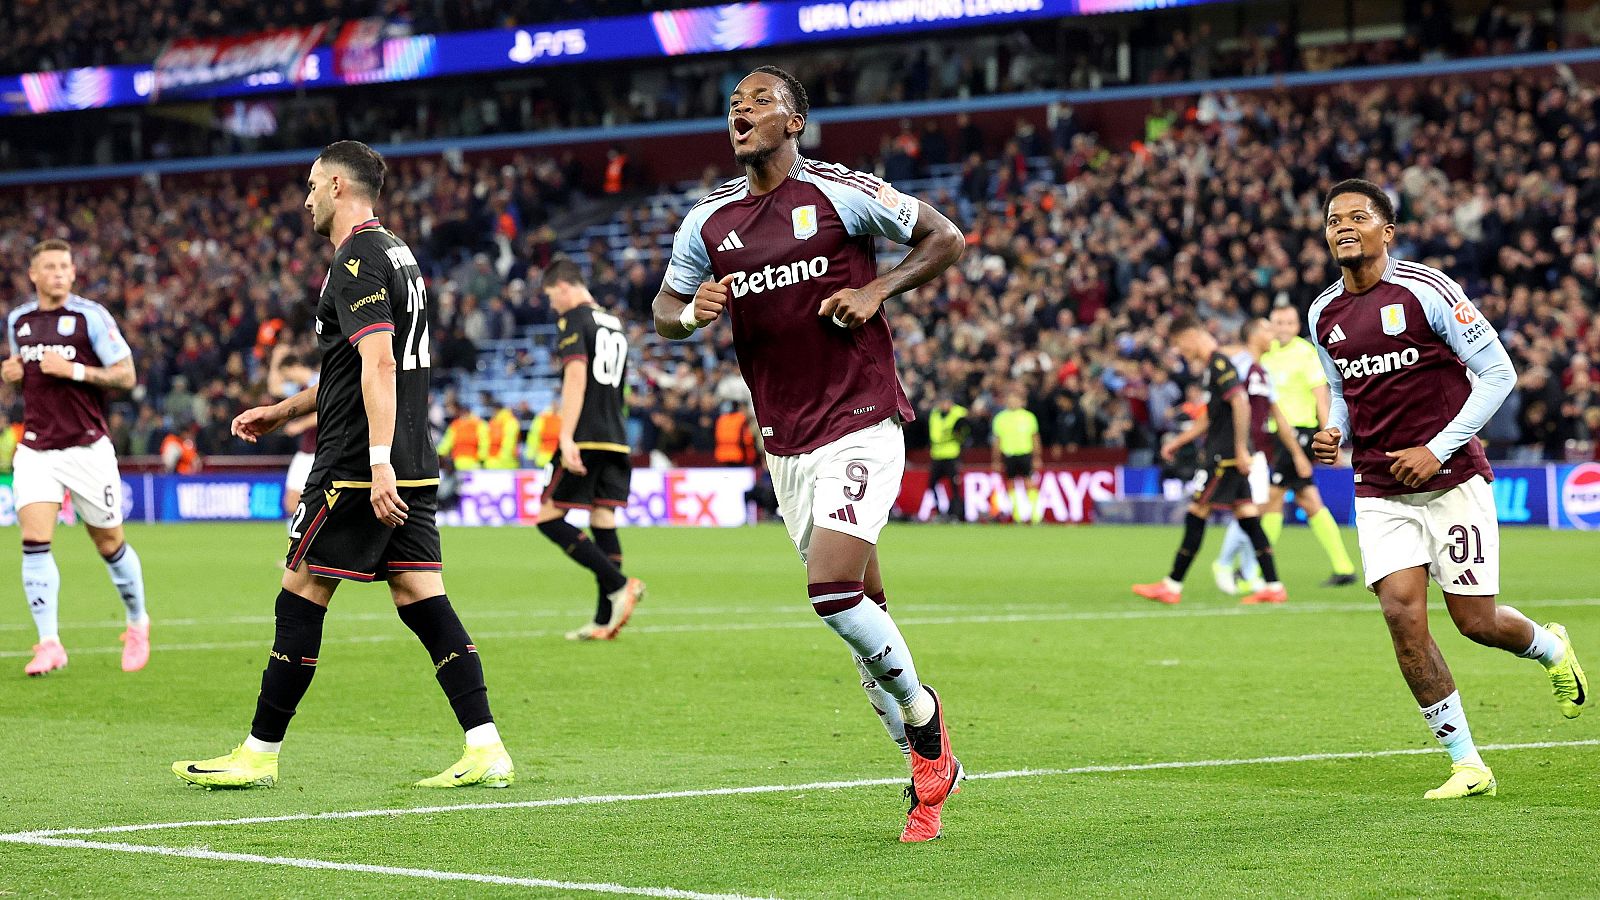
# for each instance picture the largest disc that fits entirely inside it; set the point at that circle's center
(41, 584)
(258, 745)
(484, 735)
(1174, 586)
(1546, 647)
(919, 710)
(887, 708)
(872, 636)
(127, 575)
(1448, 722)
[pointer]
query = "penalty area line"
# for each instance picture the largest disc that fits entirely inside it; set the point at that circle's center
(602, 799)
(369, 869)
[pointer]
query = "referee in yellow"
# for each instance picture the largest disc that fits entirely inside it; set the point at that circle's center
(1302, 387)
(1018, 452)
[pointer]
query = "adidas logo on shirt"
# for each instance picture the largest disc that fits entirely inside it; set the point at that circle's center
(731, 242)
(1336, 335)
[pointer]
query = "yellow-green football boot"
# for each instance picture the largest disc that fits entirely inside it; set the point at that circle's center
(488, 766)
(1466, 780)
(1566, 677)
(243, 768)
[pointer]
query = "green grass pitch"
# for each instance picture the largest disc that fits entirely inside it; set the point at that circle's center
(725, 680)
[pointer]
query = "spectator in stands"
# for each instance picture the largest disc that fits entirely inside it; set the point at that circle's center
(466, 439)
(504, 434)
(179, 454)
(735, 436)
(544, 436)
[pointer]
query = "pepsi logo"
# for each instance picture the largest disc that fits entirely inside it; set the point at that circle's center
(1580, 496)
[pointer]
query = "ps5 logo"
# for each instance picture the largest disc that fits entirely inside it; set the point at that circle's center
(528, 47)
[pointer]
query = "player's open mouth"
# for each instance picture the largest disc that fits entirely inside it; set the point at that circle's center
(1351, 241)
(742, 127)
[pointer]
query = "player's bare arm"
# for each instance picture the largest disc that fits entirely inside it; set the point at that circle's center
(1413, 466)
(1286, 435)
(378, 396)
(1188, 435)
(117, 376)
(1240, 401)
(301, 425)
(251, 424)
(574, 384)
(936, 243)
(672, 309)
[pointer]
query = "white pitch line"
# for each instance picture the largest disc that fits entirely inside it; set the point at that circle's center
(1143, 612)
(430, 874)
(23, 837)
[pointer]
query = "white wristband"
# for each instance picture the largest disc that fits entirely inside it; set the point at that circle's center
(77, 371)
(378, 455)
(687, 319)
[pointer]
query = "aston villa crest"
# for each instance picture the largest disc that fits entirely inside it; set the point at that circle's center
(1394, 318)
(805, 222)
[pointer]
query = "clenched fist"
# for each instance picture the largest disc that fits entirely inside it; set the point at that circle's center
(1325, 445)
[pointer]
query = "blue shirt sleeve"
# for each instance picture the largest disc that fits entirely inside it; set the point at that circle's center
(1338, 410)
(106, 338)
(868, 205)
(1496, 376)
(690, 265)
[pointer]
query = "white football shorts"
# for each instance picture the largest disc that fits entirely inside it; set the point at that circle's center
(299, 471)
(1455, 533)
(848, 486)
(89, 472)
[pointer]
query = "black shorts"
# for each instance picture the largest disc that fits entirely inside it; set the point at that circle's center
(606, 483)
(1224, 487)
(336, 535)
(1017, 466)
(1283, 473)
(944, 469)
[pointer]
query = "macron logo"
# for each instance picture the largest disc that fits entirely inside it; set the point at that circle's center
(1336, 335)
(731, 242)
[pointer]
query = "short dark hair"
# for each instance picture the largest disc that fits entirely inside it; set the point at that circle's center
(1250, 327)
(48, 244)
(798, 98)
(1185, 322)
(564, 271)
(364, 164)
(1380, 200)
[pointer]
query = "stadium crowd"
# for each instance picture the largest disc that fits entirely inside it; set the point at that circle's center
(1064, 293)
(1069, 54)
